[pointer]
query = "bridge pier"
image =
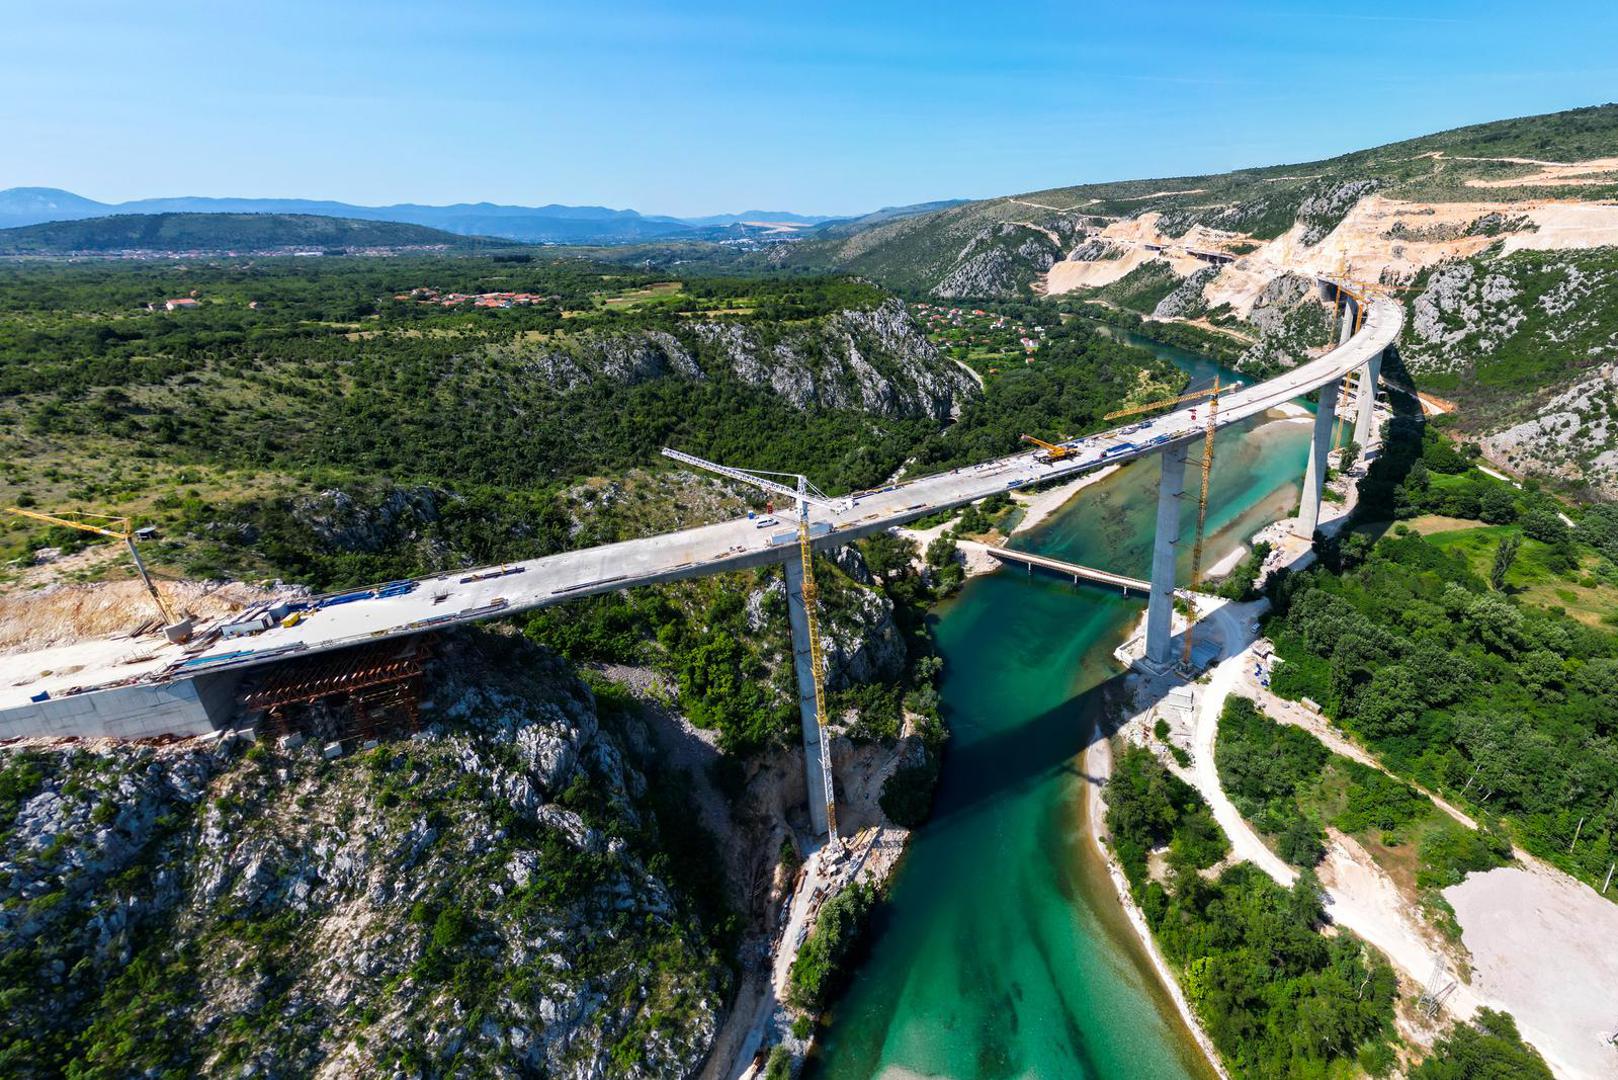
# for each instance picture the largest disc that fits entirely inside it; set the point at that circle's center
(1365, 432)
(1165, 551)
(1314, 476)
(798, 617)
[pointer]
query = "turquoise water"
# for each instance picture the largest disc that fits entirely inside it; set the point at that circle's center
(1003, 952)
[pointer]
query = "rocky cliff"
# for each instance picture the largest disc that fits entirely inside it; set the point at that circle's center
(483, 898)
(872, 359)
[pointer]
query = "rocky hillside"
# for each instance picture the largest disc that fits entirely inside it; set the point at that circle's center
(378, 413)
(874, 360)
(1499, 235)
(493, 896)
(1528, 343)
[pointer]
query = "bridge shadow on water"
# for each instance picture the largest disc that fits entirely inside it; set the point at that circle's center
(1007, 762)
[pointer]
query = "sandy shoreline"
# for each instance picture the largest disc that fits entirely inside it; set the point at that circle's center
(1038, 507)
(1097, 767)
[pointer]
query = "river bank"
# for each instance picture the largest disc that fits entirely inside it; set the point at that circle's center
(1098, 771)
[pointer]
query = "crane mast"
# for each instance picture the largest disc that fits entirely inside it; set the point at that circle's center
(115, 528)
(806, 495)
(1202, 510)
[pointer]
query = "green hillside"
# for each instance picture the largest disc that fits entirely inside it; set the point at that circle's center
(223, 232)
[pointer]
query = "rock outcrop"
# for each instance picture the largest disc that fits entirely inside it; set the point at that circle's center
(873, 359)
(476, 899)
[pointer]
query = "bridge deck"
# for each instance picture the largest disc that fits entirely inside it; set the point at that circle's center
(468, 596)
(1062, 566)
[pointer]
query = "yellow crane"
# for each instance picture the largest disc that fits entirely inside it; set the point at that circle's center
(1202, 510)
(1053, 451)
(117, 528)
(1212, 394)
(805, 495)
(1132, 410)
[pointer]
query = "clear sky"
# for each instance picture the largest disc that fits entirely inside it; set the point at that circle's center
(696, 107)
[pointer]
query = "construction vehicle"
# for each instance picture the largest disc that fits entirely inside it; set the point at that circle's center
(805, 495)
(175, 627)
(1052, 451)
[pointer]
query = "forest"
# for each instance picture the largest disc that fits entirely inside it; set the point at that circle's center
(1277, 997)
(1276, 994)
(288, 381)
(1479, 660)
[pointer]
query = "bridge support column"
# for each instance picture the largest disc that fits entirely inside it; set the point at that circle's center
(1365, 432)
(799, 620)
(1314, 476)
(1351, 310)
(1165, 549)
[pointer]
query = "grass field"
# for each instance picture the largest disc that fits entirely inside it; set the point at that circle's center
(1586, 597)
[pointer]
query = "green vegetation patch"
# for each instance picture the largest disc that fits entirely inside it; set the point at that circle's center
(1277, 996)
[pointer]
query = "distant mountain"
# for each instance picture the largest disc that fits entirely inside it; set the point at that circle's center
(782, 217)
(29, 205)
(215, 232)
(549, 224)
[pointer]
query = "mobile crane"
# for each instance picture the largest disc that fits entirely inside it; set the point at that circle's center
(1053, 451)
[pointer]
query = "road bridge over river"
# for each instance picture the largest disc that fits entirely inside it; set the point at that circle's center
(173, 689)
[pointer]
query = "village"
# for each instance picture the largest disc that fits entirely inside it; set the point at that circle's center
(426, 295)
(980, 338)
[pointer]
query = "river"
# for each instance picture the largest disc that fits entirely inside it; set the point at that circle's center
(1004, 951)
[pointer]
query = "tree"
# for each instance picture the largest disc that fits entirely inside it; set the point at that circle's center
(1497, 505)
(1504, 555)
(888, 554)
(1542, 523)
(1489, 1048)
(941, 552)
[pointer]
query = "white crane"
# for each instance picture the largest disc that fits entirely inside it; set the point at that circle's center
(806, 495)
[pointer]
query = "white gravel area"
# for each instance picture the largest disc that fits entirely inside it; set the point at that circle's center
(1545, 948)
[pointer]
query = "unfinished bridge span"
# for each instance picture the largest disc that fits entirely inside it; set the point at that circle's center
(187, 690)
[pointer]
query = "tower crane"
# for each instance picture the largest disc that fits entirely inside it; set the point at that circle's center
(1212, 394)
(806, 495)
(1132, 410)
(117, 528)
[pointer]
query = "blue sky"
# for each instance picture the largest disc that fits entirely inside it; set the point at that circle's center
(695, 107)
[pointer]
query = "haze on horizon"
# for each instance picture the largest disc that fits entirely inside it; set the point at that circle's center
(716, 107)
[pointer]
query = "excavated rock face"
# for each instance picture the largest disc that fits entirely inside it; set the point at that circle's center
(473, 900)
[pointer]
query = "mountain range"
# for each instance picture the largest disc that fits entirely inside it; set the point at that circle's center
(552, 223)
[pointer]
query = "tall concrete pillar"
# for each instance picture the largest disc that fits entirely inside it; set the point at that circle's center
(1165, 548)
(1365, 432)
(799, 620)
(1314, 476)
(1350, 313)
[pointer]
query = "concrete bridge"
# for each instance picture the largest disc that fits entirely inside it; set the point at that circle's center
(1073, 570)
(98, 689)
